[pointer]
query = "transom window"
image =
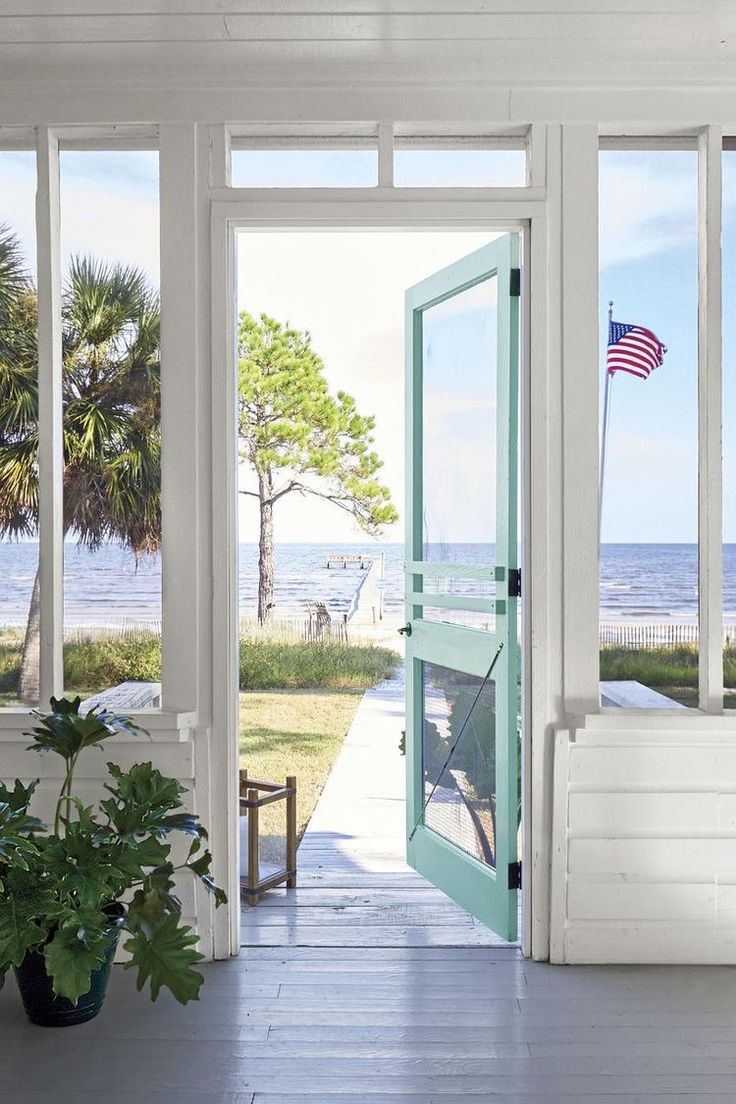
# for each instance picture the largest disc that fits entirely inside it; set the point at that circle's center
(400, 155)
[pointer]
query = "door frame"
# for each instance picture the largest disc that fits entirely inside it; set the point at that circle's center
(523, 210)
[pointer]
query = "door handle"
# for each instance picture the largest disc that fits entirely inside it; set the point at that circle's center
(405, 630)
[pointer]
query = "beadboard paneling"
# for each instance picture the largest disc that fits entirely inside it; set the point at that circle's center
(645, 844)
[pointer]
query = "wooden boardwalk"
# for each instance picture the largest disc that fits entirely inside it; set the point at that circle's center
(355, 889)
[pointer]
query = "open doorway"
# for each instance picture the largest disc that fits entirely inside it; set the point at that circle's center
(321, 578)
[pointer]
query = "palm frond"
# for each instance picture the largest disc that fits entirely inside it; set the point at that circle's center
(111, 399)
(14, 278)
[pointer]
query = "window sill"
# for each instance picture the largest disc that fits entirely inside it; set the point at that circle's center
(659, 726)
(162, 726)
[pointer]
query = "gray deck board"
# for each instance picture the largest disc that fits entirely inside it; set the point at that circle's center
(366, 986)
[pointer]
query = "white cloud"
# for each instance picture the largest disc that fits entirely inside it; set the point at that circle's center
(106, 223)
(648, 204)
(102, 215)
(17, 200)
(445, 407)
(650, 491)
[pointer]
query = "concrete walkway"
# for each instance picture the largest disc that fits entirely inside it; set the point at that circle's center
(355, 888)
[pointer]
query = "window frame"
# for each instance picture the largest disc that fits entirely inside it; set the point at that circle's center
(179, 696)
(385, 137)
(709, 141)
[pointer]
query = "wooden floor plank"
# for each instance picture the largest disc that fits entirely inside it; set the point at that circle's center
(366, 986)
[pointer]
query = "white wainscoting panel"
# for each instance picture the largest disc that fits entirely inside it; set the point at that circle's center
(645, 848)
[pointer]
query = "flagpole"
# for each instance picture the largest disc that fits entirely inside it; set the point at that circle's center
(604, 433)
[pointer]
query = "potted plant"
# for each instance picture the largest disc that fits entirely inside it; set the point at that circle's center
(67, 891)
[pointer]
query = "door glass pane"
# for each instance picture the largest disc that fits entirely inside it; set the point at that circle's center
(459, 446)
(462, 794)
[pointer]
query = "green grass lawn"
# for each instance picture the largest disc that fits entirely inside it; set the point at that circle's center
(671, 671)
(294, 732)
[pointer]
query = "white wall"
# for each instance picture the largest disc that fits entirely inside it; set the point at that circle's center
(640, 866)
(644, 846)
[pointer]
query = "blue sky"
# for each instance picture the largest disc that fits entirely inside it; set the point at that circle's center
(648, 267)
(359, 168)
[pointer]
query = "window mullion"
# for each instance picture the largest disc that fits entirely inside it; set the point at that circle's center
(50, 424)
(710, 492)
(178, 195)
(385, 155)
(536, 160)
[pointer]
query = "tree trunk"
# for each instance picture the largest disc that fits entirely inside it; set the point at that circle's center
(265, 547)
(29, 680)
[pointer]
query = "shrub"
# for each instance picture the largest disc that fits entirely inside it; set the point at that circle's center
(277, 664)
(655, 667)
(106, 660)
(92, 662)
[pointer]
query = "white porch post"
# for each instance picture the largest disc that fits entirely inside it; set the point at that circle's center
(542, 592)
(179, 504)
(219, 280)
(580, 416)
(710, 474)
(50, 424)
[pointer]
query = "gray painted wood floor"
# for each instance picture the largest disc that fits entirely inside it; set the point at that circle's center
(367, 985)
(400, 1025)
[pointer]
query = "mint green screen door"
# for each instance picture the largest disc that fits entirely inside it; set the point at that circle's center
(462, 582)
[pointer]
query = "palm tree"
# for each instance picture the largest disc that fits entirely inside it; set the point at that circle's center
(111, 406)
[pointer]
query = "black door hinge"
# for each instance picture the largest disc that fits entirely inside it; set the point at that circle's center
(515, 582)
(515, 875)
(515, 282)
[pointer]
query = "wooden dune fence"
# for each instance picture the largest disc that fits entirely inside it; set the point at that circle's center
(310, 628)
(124, 629)
(657, 636)
(313, 626)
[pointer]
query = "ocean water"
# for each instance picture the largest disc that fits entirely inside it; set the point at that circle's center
(648, 582)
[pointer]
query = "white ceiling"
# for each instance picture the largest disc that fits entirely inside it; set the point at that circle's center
(287, 42)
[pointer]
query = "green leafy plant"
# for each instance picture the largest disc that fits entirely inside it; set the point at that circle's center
(55, 885)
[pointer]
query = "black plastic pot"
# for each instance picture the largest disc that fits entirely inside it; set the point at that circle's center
(48, 1010)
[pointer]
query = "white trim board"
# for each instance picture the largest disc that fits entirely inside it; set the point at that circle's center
(380, 216)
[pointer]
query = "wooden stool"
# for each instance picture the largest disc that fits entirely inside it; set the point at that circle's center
(250, 803)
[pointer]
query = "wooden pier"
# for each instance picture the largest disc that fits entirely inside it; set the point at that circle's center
(366, 607)
(338, 560)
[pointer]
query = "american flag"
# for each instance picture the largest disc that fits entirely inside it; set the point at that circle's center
(633, 349)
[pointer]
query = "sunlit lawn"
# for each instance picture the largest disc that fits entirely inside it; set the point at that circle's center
(673, 671)
(294, 732)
